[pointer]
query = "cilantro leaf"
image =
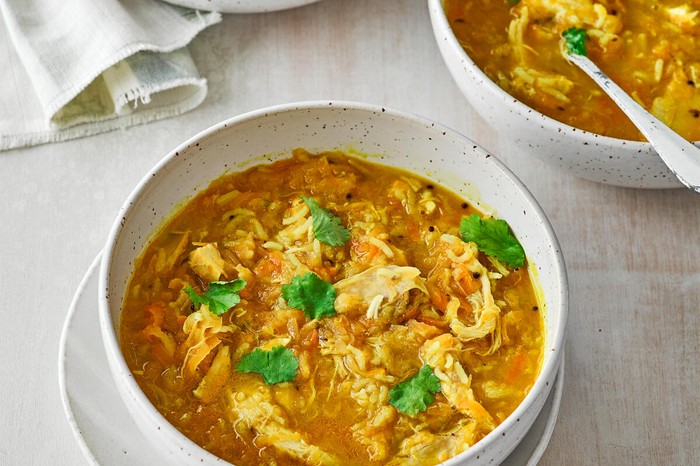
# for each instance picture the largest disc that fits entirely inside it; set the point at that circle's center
(415, 394)
(327, 227)
(220, 297)
(575, 41)
(277, 365)
(310, 294)
(493, 237)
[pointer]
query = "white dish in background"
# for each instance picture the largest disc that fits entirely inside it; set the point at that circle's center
(108, 435)
(241, 6)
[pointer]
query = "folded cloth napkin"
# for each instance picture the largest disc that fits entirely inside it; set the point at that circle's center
(72, 68)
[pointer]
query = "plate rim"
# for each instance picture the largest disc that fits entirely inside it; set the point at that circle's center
(62, 387)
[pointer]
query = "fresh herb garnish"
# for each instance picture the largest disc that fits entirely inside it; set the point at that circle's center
(415, 394)
(327, 227)
(493, 237)
(277, 365)
(575, 41)
(310, 294)
(220, 297)
(513, 2)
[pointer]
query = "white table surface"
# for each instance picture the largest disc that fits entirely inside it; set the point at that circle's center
(632, 389)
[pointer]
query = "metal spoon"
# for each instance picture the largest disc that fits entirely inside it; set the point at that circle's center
(681, 156)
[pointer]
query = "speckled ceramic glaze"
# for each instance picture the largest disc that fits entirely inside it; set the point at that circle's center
(241, 6)
(391, 138)
(588, 155)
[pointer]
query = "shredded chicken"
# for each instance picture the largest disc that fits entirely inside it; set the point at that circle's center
(203, 329)
(488, 320)
(256, 409)
(375, 431)
(155, 332)
(340, 339)
(471, 281)
(442, 354)
(207, 262)
(389, 283)
(424, 446)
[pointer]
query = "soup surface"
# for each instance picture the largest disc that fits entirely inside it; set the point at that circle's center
(651, 48)
(326, 310)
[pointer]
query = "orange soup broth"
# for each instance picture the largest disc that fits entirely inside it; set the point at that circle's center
(155, 298)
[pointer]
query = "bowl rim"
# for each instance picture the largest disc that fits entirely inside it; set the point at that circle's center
(442, 25)
(117, 362)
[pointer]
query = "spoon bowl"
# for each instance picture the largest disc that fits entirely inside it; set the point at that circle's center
(681, 156)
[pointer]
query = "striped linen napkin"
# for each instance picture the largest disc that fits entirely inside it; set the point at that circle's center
(73, 68)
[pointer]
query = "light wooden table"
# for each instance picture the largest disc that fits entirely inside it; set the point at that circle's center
(632, 390)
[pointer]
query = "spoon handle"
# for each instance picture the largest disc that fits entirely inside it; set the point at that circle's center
(681, 156)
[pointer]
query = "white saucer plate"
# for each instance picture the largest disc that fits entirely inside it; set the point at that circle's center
(108, 436)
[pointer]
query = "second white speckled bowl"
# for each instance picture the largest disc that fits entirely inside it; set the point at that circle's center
(393, 138)
(587, 155)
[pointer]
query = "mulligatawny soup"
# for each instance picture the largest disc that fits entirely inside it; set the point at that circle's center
(325, 310)
(651, 48)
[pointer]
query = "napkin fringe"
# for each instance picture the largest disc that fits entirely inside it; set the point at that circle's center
(13, 141)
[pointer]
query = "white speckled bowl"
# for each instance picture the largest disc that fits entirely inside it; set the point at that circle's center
(241, 6)
(587, 155)
(393, 138)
